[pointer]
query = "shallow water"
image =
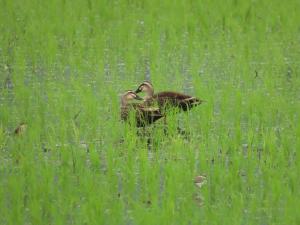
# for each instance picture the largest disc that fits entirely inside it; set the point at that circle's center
(78, 163)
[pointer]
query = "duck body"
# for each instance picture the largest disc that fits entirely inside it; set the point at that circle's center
(143, 115)
(20, 129)
(167, 99)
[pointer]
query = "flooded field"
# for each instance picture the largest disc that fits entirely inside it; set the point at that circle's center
(67, 158)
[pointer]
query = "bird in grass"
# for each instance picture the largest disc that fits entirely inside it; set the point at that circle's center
(144, 115)
(167, 99)
(20, 129)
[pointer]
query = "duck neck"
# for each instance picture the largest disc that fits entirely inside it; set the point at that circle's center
(123, 102)
(149, 93)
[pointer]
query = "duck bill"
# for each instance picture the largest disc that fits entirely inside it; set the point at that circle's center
(138, 90)
(138, 98)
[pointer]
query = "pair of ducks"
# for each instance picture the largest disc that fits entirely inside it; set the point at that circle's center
(145, 112)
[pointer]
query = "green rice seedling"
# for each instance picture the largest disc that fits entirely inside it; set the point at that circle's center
(63, 66)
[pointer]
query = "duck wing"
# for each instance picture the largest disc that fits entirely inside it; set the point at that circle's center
(147, 115)
(176, 99)
(143, 115)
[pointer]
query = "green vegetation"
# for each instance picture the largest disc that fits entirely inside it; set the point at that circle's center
(63, 66)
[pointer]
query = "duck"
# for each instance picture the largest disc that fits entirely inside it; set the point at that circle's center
(167, 99)
(20, 129)
(144, 115)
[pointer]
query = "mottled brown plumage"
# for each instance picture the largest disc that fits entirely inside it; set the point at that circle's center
(167, 99)
(20, 129)
(143, 115)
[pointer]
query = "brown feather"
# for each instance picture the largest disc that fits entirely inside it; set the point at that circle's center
(143, 115)
(20, 129)
(167, 99)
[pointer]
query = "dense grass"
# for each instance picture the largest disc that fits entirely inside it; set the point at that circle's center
(63, 66)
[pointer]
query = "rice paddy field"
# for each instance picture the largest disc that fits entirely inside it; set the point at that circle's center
(64, 65)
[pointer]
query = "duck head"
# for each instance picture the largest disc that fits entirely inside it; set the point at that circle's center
(129, 96)
(146, 87)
